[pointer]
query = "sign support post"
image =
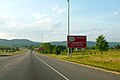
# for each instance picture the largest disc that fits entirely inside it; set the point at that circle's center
(82, 52)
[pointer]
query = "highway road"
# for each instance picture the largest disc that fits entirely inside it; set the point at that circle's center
(32, 66)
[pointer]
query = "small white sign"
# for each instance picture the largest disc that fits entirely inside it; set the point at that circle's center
(71, 38)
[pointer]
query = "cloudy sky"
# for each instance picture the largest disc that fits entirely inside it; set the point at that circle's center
(33, 19)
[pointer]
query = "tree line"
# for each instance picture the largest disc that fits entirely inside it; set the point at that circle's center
(101, 45)
(47, 48)
(9, 49)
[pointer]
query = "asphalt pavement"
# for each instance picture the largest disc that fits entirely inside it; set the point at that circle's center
(33, 66)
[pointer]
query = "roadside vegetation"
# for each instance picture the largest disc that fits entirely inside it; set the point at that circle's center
(47, 48)
(109, 60)
(100, 55)
(9, 51)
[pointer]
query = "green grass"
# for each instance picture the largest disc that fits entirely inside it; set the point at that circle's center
(109, 60)
(13, 53)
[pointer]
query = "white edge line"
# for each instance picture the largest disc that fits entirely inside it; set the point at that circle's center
(88, 66)
(7, 65)
(51, 67)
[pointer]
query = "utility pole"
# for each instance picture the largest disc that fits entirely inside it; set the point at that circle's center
(68, 23)
(41, 39)
(41, 44)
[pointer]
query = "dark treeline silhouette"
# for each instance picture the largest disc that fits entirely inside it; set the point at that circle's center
(9, 49)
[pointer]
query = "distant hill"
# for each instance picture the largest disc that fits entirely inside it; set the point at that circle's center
(59, 43)
(26, 42)
(18, 42)
(89, 43)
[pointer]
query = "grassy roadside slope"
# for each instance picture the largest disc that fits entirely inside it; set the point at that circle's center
(11, 54)
(108, 60)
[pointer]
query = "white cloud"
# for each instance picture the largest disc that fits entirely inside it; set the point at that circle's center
(41, 25)
(43, 21)
(15, 25)
(12, 24)
(40, 16)
(6, 36)
(4, 19)
(58, 9)
(8, 22)
(115, 13)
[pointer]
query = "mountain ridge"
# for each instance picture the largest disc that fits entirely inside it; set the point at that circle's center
(18, 42)
(27, 42)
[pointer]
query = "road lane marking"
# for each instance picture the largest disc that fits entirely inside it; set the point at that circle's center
(87, 66)
(51, 67)
(7, 65)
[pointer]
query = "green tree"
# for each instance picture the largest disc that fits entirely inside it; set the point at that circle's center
(56, 50)
(101, 43)
(62, 48)
(117, 46)
(48, 48)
